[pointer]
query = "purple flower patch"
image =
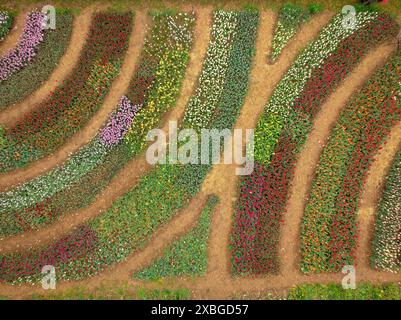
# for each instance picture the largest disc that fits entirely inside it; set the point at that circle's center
(31, 37)
(119, 123)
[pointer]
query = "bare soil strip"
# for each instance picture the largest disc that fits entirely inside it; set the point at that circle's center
(81, 26)
(11, 39)
(371, 194)
(311, 151)
(222, 182)
(83, 137)
(131, 173)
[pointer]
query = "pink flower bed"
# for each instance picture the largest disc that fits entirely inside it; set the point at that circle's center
(119, 122)
(31, 37)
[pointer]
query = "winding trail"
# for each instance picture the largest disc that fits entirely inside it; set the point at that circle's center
(310, 154)
(84, 136)
(129, 176)
(371, 194)
(222, 181)
(11, 39)
(81, 27)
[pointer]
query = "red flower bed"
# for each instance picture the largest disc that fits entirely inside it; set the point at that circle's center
(341, 63)
(262, 198)
(76, 100)
(255, 251)
(72, 247)
(343, 231)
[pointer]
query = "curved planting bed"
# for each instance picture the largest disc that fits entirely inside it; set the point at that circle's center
(129, 223)
(76, 100)
(6, 21)
(186, 256)
(153, 90)
(329, 230)
(284, 127)
(290, 19)
(32, 35)
(19, 85)
(386, 251)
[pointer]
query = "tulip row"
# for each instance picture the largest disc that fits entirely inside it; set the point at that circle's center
(329, 230)
(76, 100)
(76, 183)
(186, 256)
(6, 21)
(21, 84)
(25, 51)
(129, 223)
(386, 251)
(282, 130)
(290, 18)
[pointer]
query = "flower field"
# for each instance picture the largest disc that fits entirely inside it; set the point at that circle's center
(187, 255)
(75, 184)
(68, 108)
(290, 17)
(25, 81)
(386, 243)
(167, 188)
(6, 21)
(329, 230)
(25, 51)
(105, 211)
(283, 128)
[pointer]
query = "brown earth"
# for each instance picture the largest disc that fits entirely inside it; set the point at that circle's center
(310, 154)
(11, 39)
(83, 137)
(130, 174)
(218, 283)
(81, 25)
(371, 194)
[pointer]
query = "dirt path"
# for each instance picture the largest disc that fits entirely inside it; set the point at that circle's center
(80, 30)
(310, 154)
(221, 181)
(11, 39)
(370, 196)
(84, 136)
(131, 173)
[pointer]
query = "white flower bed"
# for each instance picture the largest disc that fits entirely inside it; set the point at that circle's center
(312, 57)
(213, 75)
(42, 187)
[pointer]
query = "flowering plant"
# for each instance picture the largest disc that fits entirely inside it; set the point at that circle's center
(24, 52)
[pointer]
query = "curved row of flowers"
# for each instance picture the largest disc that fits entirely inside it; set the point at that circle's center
(386, 248)
(329, 230)
(75, 184)
(21, 84)
(32, 35)
(290, 18)
(6, 21)
(129, 223)
(76, 100)
(282, 130)
(186, 256)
